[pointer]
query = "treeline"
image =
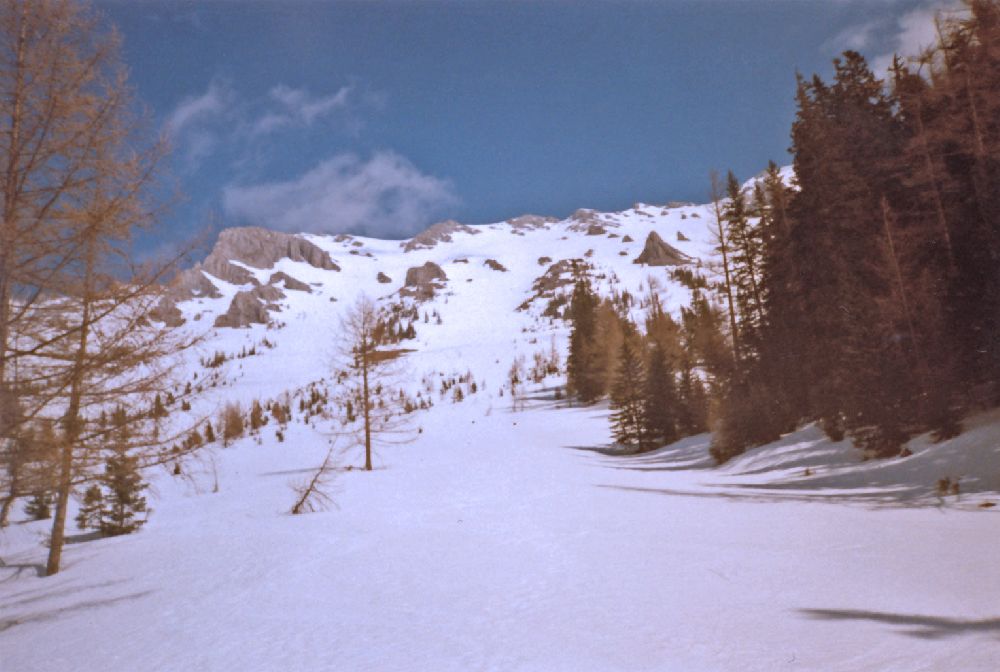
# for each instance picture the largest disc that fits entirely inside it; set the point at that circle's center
(866, 296)
(653, 378)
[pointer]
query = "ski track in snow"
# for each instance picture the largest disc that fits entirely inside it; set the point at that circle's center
(514, 540)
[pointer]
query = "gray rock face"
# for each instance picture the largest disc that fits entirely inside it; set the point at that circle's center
(167, 313)
(255, 247)
(436, 233)
(290, 282)
(245, 309)
(422, 281)
(658, 253)
(530, 222)
(261, 248)
(585, 220)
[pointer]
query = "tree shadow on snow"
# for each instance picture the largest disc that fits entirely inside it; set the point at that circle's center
(48, 615)
(912, 625)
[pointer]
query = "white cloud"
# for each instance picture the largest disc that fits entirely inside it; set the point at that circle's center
(385, 196)
(298, 107)
(195, 109)
(912, 33)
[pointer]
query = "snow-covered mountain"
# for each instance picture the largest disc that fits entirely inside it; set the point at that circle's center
(498, 289)
(501, 537)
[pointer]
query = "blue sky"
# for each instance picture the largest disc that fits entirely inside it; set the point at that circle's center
(383, 117)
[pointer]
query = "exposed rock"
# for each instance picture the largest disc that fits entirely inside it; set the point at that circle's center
(191, 283)
(596, 230)
(167, 313)
(436, 233)
(544, 260)
(290, 282)
(383, 278)
(463, 260)
(613, 235)
(678, 204)
(495, 265)
(628, 239)
(245, 309)
(268, 293)
(341, 237)
(260, 248)
(658, 253)
(553, 278)
(529, 222)
(422, 281)
(682, 238)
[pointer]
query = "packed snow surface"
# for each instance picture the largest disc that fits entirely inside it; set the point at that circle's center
(503, 538)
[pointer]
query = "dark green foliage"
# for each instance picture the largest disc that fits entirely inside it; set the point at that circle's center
(661, 404)
(628, 420)
(91, 510)
(584, 366)
(123, 500)
(39, 507)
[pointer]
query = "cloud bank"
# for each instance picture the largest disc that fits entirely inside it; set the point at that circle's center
(384, 196)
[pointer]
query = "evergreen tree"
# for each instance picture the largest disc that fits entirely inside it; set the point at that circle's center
(661, 401)
(628, 421)
(91, 510)
(123, 498)
(584, 372)
(39, 507)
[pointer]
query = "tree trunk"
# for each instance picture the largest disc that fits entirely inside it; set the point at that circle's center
(72, 422)
(367, 402)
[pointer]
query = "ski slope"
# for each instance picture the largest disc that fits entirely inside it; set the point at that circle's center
(503, 539)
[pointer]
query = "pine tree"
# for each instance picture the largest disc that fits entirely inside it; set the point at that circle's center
(91, 510)
(123, 498)
(661, 402)
(584, 374)
(39, 507)
(629, 421)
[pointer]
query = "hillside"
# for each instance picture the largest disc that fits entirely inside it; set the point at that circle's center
(505, 535)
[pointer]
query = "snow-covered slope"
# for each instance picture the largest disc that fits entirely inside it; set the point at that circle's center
(503, 539)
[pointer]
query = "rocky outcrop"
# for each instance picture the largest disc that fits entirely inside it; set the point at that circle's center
(530, 222)
(436, 233)
(261, 248)
(245, 309)
(586, 220)
(167, 313)
(422, 281)
(596, 230)
(289, 282)
(495, 265)
(383, 278)
(682, 238)
(658, 253)
(254, 247)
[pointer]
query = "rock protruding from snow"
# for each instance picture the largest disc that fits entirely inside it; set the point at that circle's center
(495, 265)
(596, 230)
(656, 252)
(261, 248)
(422, 281)
(290, 282)
(245, 309)
(530, 222)
(436, 233)
(383, 278)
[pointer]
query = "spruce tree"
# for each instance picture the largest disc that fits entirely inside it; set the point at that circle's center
(661, 401)
(123, 498)
(628, 421)
(584, 374)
